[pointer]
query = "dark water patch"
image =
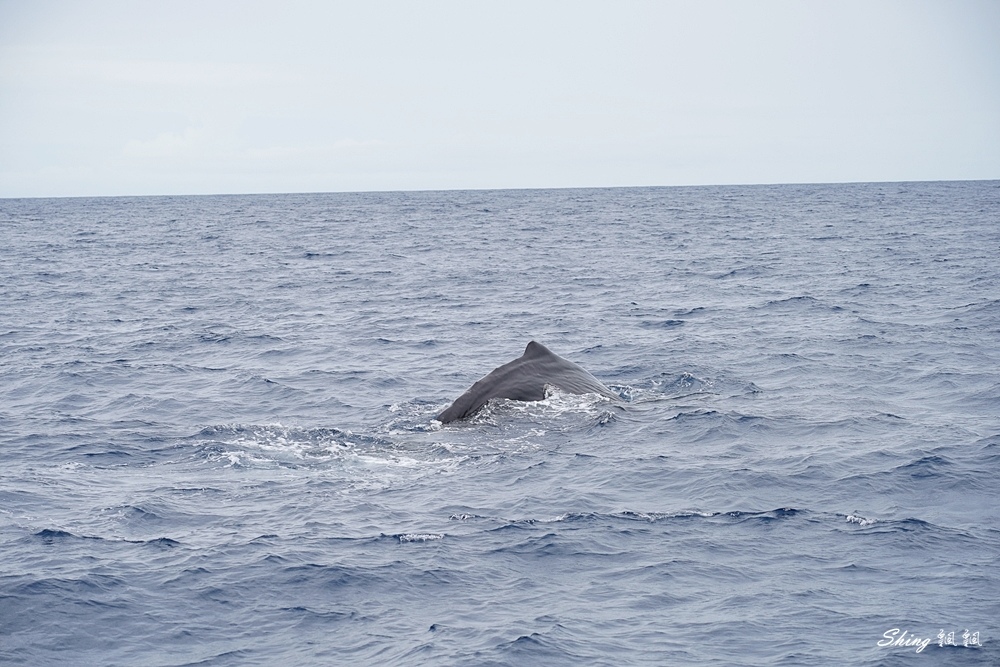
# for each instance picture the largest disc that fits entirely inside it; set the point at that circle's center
(85, 588)
(50, 536)
(742, 272)
(989, 450)
(802, 303)
(698, 311)
(110, 455)
(927, 466)
(662, 323)
(132, 515)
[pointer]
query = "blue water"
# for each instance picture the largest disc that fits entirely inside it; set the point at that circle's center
(218, 445)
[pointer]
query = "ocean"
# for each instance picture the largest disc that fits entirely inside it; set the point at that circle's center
(219, 447)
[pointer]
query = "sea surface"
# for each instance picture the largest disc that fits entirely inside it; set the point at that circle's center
(218, 441)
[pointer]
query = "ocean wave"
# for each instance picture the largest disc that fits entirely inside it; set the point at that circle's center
(55, 535)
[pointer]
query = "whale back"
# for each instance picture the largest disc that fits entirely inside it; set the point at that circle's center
(525, 379)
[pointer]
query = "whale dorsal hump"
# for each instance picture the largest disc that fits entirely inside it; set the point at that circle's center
(536, 350)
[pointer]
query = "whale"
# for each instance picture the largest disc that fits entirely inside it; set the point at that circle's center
(526, 379)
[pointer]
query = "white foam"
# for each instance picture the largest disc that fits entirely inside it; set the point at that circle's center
(420, 537)
(860, 520)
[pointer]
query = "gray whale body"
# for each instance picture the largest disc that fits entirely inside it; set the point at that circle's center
(525, 379)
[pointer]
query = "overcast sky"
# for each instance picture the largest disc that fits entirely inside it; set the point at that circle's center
(109, 98)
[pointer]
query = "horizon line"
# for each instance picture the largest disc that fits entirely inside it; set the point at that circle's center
(502, 189)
